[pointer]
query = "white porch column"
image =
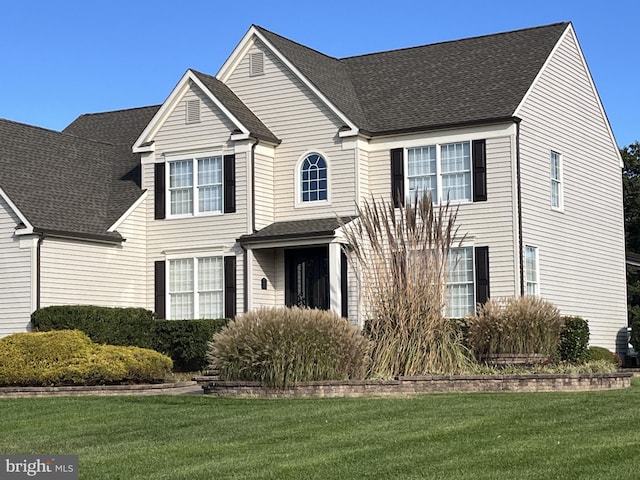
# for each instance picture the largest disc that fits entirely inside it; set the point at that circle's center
(249, 280)
(335, 279)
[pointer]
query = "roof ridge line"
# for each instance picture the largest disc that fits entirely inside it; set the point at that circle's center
(455, 40)
(297, 43)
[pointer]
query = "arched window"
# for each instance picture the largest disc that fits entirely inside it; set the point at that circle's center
(313, 178)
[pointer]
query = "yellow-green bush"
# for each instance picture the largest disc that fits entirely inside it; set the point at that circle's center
(69, 357)
(282, 346)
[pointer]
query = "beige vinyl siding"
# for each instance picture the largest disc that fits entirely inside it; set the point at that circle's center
(214, 234)
(491, 223)
(303, 124)
(581, 250)
(264, 197)
(15, 276)
(176, 135)
(264, 266)
(77, 272)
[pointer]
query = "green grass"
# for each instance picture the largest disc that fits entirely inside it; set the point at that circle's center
(578, 435)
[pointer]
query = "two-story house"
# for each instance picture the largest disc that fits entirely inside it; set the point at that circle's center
(229, 196)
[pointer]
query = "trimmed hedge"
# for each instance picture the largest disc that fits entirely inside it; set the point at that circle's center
(574, 340)
(601, 353)
(113, 326)
(185, 341)
(69, 357)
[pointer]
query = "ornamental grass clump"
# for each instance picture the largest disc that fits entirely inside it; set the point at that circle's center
(515, 326)
(401, 257)
(280, 347)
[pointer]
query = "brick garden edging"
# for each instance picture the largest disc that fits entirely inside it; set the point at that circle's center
(428, 384)
(98, 390)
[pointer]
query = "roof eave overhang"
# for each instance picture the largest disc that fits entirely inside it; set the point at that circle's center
(111, 238)
(442, 126)
(28, 227)
(279, 241)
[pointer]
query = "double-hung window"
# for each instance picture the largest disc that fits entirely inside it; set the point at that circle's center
(196, 288)
(460, 284)
(531, 270)
(556, 181)
(444, 170)
(195, 186)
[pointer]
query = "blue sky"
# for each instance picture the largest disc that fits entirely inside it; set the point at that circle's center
(63, 58)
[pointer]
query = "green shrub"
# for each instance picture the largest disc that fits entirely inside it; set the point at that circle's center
(186, 341)
(601, 353)
(574, 340)
(69, 357)
(521, 326)
(114, 326)
(634, 319)
(282, 346)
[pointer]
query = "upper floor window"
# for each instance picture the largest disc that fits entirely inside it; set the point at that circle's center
(531, 269)
(556, 181)
(195, 186)
(444, 170)
(313, 178)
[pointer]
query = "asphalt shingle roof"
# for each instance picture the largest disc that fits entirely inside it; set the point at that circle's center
(316, 227)
(452, 83)
(237, 107)
(70, 185)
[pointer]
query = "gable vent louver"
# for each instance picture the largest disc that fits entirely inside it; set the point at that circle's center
(256, 63)
(193, 111)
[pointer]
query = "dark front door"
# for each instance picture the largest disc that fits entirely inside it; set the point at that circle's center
(307, 277)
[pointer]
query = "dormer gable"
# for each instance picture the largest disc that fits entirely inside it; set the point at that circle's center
(244, 122)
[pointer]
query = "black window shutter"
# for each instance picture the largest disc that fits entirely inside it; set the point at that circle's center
(481, 255)
(229, 183)
(160, 300)
(160, 190)
(344, 285)
(230, 287)
(397, 177)
(479, 148)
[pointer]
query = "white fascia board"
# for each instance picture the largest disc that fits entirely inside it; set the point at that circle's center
(28, 230)
(247, 41)
(569, 30)
(161, 114)
(533, 85)
(219, 104)
(129, 211)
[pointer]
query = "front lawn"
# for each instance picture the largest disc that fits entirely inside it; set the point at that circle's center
(476, 436)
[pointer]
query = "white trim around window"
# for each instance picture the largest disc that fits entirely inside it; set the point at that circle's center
(311, 192)
(195, 287)
(461, 282)
(532, 270)
(557, 181)
(444, 169)
(195, 185)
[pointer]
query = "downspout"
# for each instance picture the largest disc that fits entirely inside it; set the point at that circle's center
(38, 272)
(245, 279)
(253, 186)
(519, 191)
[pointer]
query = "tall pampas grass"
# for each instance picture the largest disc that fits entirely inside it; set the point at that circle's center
(400, 257)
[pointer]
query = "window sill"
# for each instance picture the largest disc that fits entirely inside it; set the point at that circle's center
(196, 215)
(315, 203)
